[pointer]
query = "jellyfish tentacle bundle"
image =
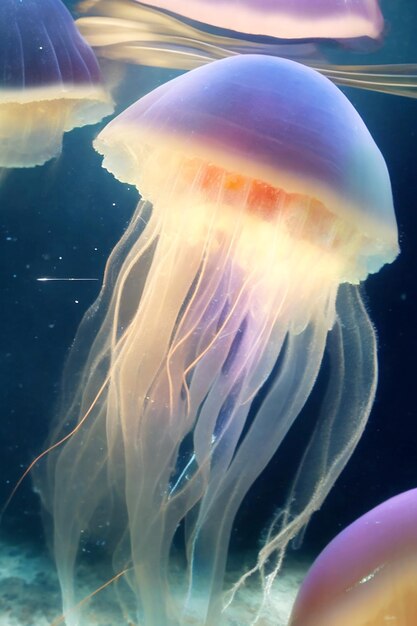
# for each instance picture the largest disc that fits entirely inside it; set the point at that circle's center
(265, 203)
(50, 81)
(351, 346)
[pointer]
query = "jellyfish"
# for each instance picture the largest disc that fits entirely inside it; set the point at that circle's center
(50, 81)
(139, 33)
(299, 19)
(265, 202)
(367, 574)
(136, 33)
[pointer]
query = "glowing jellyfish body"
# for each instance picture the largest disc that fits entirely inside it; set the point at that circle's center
(294, 19)
(49, 81)
(263, 192)
(366, 576)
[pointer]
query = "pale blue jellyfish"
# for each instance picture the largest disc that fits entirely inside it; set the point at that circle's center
(265, 203)
(50, 81)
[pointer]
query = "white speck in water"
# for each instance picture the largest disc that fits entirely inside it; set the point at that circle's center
(45, 279)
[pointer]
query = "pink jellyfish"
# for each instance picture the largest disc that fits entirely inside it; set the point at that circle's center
(145, 33)
(285, 19)
(366, 576)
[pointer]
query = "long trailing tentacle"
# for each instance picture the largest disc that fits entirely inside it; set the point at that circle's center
(398, 80)
(342, 420)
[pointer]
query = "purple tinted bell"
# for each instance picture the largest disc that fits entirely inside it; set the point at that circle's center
(367, 576)
(50, 81)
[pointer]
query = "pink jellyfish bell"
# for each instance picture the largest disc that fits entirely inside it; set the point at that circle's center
(265, 200)
(157, 33)
(297, 19)
(366, 576)
(50, 81)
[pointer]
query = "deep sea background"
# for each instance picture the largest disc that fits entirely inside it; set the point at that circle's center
(63, 219)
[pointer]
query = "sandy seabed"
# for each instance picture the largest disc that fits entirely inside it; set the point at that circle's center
(30, 596)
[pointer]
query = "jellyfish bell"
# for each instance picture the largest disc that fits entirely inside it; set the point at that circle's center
(367, 574)
(264, 200)
(256, 146)
(50, 81)
(127, 31)
(300, 19)
(137, 33)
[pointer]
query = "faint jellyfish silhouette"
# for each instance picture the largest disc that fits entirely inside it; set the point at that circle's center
(367, 574)
(133, 32)
(265, 201)
(50, 81)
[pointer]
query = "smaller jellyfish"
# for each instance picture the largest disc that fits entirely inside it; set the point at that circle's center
(144, 33)
(140, 34)
(299, 19)
(50, 81)
(366, 576)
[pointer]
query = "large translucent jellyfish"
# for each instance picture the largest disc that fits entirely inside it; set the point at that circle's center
(366, 576)
(265, 202)
(50, 81)
(133, 32)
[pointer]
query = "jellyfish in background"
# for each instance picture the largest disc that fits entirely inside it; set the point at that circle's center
(50, 81)
(366, 576)
(297, 19)
(136, 32)
(265, 203)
